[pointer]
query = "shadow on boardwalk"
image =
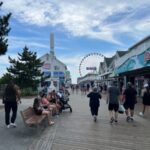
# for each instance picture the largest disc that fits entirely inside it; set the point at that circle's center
(77, 131)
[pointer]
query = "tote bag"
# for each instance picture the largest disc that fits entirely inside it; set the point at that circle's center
(121, 109)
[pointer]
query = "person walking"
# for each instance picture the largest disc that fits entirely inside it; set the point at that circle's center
(146, 98)
(11, 98)
(113, 102)
(94, 103)
(130, 101)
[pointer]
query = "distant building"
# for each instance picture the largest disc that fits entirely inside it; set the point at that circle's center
(107, 68)
(87, 79)
(54, 71)
(106, 71)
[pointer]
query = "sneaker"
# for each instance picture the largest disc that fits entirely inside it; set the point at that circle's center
(111, 120)
(131, 119)
(8, 126)
(141, 114)
(116, 121)
(51, 123)
(13, 125)
(95, 118)
(128, 119)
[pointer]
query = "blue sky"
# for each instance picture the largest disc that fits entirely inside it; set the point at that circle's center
(80, 28)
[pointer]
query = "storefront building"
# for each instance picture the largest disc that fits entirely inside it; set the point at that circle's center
(54, 71)
(89, 78)
(107, 69)
(134, 66)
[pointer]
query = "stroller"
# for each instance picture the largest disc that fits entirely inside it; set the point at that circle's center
(64, 102)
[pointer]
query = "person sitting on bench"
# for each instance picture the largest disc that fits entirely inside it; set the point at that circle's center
(46, 104)
(39, 110)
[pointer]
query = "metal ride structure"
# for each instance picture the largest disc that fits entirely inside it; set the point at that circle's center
(90, 62)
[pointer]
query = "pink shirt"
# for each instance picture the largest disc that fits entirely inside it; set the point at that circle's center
(45, 101)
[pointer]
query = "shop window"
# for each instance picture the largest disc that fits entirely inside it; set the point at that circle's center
(56, 67)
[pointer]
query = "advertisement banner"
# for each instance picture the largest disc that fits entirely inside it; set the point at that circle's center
(58, 74)
(46, 66)
(135, 62)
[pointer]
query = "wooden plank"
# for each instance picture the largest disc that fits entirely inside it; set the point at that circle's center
(30, 118)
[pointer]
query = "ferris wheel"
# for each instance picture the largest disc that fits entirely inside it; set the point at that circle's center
(90, 63)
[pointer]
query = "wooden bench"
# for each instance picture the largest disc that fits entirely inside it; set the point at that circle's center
(30, 118)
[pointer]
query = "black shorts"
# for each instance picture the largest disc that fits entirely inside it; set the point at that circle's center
(146, 102)
(38, 111)
(114, 107)
(129, 106)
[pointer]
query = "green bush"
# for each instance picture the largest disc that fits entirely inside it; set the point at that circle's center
(28, 92)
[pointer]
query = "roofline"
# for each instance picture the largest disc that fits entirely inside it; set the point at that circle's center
(55, 58)
(60, 62)
(138, 43)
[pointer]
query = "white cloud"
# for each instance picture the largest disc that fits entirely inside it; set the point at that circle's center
(145, 26)
(90, 18)
(82, 18)
(16, 44)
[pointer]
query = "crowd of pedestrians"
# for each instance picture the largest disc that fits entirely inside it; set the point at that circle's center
(51, 103)
(119, 101)
(85, 88)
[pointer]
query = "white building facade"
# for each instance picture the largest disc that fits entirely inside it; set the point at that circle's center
(54, 71)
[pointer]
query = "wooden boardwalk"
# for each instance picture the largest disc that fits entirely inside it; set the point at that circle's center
(77, 131)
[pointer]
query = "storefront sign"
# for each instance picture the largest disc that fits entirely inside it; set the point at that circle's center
(61, 74)
(90, 68)
(47, 74)
(46, 66)
(135, 62)
(58, 74)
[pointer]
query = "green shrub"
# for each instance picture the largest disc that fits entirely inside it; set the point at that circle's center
(28, 92)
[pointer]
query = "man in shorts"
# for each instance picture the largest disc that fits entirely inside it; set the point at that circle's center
(130, 101)
(113, 102)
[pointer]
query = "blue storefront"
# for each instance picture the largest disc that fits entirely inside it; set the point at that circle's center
(136, 69)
